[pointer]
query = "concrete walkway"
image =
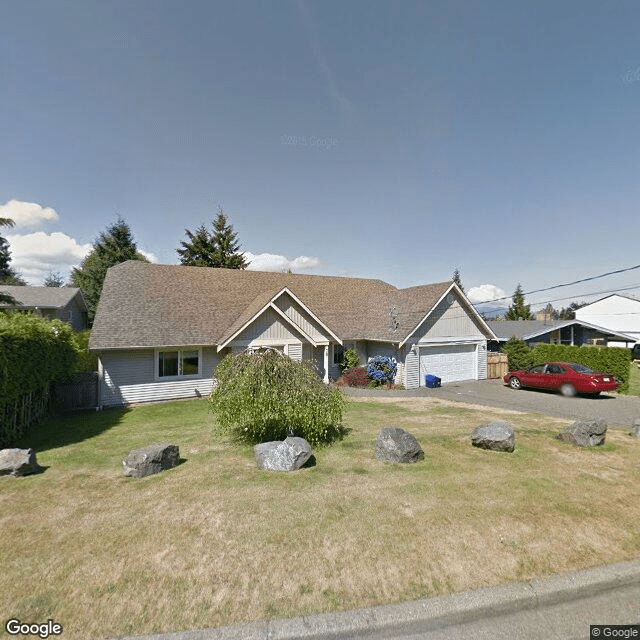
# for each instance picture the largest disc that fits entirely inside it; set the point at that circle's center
(559, 608)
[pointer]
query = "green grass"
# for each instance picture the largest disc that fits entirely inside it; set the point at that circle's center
(217, 541)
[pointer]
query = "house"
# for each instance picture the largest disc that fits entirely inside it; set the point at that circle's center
(571, 332)
(616, 313)
(55, 303)
(161, 330)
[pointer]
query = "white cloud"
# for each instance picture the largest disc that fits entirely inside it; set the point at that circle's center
(485, 293)
(36, 255)
(27, 214)
(272, 262)
(151, 257)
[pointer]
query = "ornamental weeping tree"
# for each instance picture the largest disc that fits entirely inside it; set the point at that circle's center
(267, 396)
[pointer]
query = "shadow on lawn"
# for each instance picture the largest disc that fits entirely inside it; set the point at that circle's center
(63, 429)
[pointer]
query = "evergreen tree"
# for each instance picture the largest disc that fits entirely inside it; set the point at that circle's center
(217, 249)
(519, 310)
(115, 245)
(456, 278)
(8, 274)
(54, 280)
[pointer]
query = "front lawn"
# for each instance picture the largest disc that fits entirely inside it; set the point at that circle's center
(216, 541)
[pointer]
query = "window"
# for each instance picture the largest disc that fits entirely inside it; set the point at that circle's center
(338, 353)
(178, 363)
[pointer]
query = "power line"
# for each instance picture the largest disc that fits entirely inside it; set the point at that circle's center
(566, 284)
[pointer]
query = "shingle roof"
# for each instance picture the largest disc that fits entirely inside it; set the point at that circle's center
(42, 297)
(150, 305)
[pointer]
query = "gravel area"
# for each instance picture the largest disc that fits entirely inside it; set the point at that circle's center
(617, 410)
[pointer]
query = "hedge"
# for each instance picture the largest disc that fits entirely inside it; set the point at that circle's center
(33, 353)
(614, 360)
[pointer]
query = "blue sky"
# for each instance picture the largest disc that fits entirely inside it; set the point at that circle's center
(393, 140)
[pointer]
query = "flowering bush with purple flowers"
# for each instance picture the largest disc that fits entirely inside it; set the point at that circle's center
(382, 370)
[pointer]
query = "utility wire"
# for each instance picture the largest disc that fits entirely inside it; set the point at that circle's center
(566, 284)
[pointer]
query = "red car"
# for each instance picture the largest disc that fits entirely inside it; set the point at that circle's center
(570, 378)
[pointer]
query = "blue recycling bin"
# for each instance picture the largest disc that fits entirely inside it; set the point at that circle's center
(431, 381)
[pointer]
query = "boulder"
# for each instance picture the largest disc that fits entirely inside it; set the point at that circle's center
(496, 436)
(635, 429)
(151, 459)
(18, 462)
(397, 445)
(585, 433)
(282, 455)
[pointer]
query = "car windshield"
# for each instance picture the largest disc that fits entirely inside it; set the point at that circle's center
(580, 368)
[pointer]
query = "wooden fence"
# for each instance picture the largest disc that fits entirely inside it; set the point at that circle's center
(81, 392)
(497, 365)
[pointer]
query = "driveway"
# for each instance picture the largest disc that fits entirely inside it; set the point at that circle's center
(617, 410)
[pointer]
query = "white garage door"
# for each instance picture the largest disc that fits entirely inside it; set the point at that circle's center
(449, 363)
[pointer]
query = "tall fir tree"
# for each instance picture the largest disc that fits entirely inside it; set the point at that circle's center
(217, 249)
(457, 279)
(8, 275)
(54, 279)
(113, 246)
(519, 310)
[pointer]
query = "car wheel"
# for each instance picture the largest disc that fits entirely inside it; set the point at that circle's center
(568, 390)
(515, 383)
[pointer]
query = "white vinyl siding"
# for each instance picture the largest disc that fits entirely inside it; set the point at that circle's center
(294, 351)
(130, 377)
(411, 371)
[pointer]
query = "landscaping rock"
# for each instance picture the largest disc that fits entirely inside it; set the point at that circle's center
(397, 445)
(18, 462)
(282, 455)
(635, 429)
(151, 459)
(585, 433)
(496, 436)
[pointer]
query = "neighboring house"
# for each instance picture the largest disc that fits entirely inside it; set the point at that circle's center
(61, 303)
(616, 313)
(161, 330)
(572, 332)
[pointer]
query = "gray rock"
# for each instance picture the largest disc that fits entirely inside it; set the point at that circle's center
(397, 445)
(18, 462)
(585, 433)
(151, 459)
(635, 429)
(282, 455)
(496, 436)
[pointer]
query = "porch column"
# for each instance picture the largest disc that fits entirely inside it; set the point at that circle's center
(326, 363)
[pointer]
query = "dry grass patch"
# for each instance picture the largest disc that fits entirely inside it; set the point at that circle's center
(217, 541)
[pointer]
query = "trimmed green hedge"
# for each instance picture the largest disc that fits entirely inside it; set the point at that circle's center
(33, 353)
(614, 360)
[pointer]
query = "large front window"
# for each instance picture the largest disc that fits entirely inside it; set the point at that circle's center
(179, 362)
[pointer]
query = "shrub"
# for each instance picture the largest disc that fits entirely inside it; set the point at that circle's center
(33, 353)
(86, 361)
(356, 377)
(518, 353)
(382, 370)
(267, 396)
(349, 360)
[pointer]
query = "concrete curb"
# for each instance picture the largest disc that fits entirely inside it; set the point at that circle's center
(426, 614)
